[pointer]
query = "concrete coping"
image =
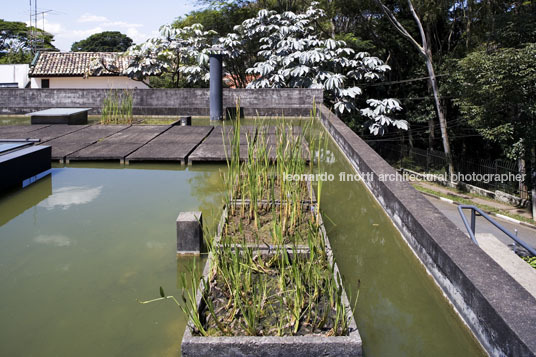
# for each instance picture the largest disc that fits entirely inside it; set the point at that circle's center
(518, 269)
(52, 112)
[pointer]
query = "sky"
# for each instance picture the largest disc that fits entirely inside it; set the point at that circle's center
(75, 20)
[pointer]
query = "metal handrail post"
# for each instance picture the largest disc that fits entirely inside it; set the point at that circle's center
(473, 221)
(471, 229)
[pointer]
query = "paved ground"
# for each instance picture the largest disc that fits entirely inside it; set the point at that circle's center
(479, 201)
(482, 225)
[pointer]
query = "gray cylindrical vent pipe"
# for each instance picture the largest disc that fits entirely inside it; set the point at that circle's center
(216, 94)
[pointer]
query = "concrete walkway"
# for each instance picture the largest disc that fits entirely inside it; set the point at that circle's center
(476, 200)
(482, 225)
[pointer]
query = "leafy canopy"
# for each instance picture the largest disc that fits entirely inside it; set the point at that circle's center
(108, 41)
(498, 96)
(15, 44)
(294, 54)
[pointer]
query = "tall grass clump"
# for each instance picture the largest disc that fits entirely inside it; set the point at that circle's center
(117, 107)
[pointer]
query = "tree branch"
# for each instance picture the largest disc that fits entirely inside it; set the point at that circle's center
(400, 28)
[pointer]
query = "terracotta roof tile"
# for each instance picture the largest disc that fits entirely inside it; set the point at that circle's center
(66, 64)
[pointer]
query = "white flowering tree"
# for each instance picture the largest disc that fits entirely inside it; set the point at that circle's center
(182, 52)
(294, 55)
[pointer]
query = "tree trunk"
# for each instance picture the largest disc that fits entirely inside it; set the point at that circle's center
(440, 115)
(533, 182)
(534, 204)
(426, 51)
(468, 25)
(431, 137)
(523, 189)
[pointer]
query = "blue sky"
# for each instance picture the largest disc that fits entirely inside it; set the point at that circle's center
(74, 20)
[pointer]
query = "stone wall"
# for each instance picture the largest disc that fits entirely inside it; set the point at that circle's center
(289, 101)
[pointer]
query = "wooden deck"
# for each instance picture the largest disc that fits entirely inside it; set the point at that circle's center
(130, 143)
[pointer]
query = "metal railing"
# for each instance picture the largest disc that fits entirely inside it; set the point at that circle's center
(433, 161)
(472, 227)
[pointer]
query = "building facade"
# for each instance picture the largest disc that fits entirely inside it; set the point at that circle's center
(71, 70)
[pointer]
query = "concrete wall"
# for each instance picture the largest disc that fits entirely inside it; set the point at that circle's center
(499, 311)
(164, 101)
(14, 73)
(104, 82)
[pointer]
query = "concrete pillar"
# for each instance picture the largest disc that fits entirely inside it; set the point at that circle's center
(189, 233)
(216, 91)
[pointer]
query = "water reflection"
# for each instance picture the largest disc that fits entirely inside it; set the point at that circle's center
(16, 202)
(207, 186)
(66, 197)
(55, 240)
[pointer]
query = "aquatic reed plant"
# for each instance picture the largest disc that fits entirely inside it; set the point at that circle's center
(117, 107)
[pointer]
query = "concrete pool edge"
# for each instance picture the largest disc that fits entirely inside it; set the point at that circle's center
(498, 310)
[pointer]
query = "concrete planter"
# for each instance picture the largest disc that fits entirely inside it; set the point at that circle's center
(308, 345)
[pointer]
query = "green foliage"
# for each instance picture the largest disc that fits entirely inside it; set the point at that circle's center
(498, 95)
(220, 18)
(108, 41)
(16, 57)
(531, 261)
(15, 45)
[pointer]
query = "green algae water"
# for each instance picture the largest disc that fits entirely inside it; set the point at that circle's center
(78, 247)
(400, 310)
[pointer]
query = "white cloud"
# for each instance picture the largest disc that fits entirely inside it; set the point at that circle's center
(122, 24)
(66, 197)
(51, 27)
(64, 35)
(136, 36)
(80, 34)
(131, 30)
(87, 17)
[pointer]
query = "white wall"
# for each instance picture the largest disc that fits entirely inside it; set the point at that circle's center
(115, 82)
(11, 73)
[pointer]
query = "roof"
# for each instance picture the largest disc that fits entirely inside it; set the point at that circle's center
(75, 64)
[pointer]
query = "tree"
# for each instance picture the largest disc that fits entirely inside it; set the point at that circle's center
(498, 97)
(16, 45)
(424, 48)
(294, 54)
(182, 52)
(221, 17)
(108, 41)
